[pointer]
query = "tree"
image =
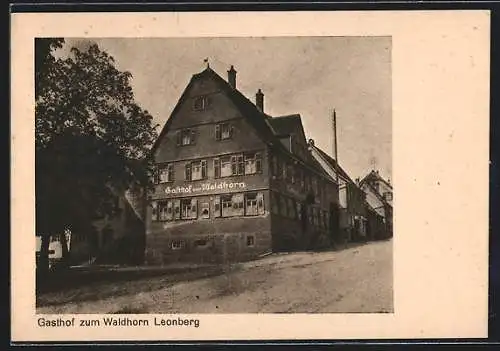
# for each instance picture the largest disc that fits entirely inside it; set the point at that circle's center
(91, 139)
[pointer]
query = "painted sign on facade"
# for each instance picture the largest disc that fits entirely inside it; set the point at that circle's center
(205, 187)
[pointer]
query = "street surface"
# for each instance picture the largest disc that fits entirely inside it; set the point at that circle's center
(357, 279)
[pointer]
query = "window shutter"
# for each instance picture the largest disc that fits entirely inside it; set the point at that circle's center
(194, 209)
(203, 169)
(171, 171)
(179, 138)
(258, 163)
(217, 209)
(216, 168)
(217, 132)
(193, 136)
(241, 165)
(260, 203)
(234, 165)
(188, 172)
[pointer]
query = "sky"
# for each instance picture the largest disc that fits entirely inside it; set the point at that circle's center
(306, 75)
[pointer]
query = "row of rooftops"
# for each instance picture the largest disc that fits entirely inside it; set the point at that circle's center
(271, 128)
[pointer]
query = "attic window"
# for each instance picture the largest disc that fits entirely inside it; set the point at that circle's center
(186, 137)
(201, 103)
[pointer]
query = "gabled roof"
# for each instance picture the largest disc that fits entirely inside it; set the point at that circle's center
(333, 164)
(374, 176)
(286, 125)
(258, 119)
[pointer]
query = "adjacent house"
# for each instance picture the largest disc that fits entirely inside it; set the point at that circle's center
(379, 195)
(233, 182)
(352, 208)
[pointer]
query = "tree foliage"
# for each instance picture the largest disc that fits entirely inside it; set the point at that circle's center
(91, 137)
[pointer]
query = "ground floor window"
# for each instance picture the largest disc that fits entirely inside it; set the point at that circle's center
(254, 204)
(250, 240)
(189, 209)
(205, 210)
(177, 244)
(227, 205)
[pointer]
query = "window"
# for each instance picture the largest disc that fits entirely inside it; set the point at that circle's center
(154, 211)
(164, 212)
(225, 166)
(237, 165)
(254, 204)
(223, 131)
(250, 240)
(231, 205)
(253, 163)
(177, 244)
(230, 166)
(189, 209)
(201, 103)
(196, 170)
(166, 173)
(186, 137)
(388, 196)
(205, 210)
(177, 209)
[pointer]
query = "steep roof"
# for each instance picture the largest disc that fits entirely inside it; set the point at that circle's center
(333, 164)
(286, 125)
(374, 176)
(262, 122)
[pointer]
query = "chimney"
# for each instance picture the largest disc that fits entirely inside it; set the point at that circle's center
(231, 77)
(259, 100)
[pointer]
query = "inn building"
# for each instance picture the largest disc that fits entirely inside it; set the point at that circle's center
(232, 182)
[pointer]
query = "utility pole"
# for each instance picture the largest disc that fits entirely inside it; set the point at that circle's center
(335, 150)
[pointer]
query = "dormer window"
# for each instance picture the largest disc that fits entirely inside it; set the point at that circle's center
(201, 103)
(223, 131)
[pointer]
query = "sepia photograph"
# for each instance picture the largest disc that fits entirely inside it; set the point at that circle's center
(214, 175)
(319, 176)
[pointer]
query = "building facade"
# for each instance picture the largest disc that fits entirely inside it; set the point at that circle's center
(118, 239)
(232, 182)
(379, 196)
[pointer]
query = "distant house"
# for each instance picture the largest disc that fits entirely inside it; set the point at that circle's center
(115, 240)
(353, 212)
(233, 182)
(379, 195)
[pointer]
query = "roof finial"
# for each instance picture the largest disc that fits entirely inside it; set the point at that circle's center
(206, 61)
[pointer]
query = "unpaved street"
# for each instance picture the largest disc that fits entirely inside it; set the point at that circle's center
(357, 279)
